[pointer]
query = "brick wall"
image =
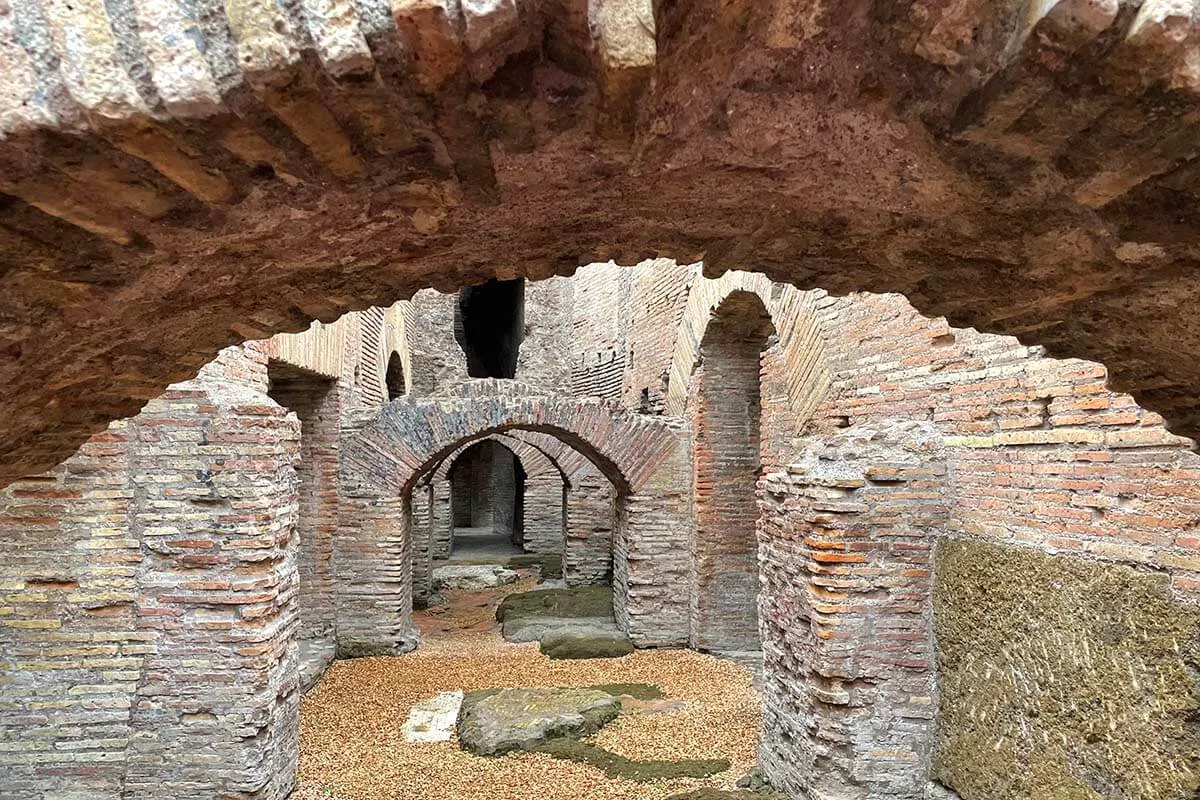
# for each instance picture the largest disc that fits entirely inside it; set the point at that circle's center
(149, 638)
(591, 510)
(599, 323)
(846, 537)
(315, 402)
(1042, 454)
(657, 300)
(726, 418)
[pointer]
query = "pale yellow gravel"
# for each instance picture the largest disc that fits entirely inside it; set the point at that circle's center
(351, 747)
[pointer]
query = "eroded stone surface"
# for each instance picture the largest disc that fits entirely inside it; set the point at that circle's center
(433, 720)
(1021, 170)
(492, 723)
(484, 576)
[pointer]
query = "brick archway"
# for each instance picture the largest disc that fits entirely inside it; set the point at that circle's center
(544, 506)
(411, 436)
(647, 459)
(799, 348)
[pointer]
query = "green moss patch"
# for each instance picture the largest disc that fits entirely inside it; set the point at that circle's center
(616, 766)
(582, 601)
(550, 567)
(585, 645)
(638, 691)
(1063, 679)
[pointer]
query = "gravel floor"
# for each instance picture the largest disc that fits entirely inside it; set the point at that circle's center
(351, 747)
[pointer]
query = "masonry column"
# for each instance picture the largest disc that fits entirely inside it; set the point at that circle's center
(845, 538)
(651, 563)
(217, 707)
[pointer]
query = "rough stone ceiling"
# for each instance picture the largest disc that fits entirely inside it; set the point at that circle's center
(172, 185)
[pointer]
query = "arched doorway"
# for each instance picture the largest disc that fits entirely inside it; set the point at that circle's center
(727, 462)
(487, 498)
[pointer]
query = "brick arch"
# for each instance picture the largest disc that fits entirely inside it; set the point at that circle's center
(412, 435)
(647, 460)
(799, 347)
(534, 460)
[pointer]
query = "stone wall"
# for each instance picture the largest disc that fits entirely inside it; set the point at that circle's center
(1081, 672)
(845, 542)
(600, 315)
(149, 632)
(544, 361)
(437, 361)
(591, 521)
(1053, 471)
(726, 415)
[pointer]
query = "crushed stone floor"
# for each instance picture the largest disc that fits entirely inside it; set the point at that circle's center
(352, 748)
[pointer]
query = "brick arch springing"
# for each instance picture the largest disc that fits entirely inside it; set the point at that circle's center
(647, 459)
(412, 435)
(798, 353)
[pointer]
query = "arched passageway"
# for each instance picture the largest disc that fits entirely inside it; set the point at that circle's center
(487, 498)
(643, 458)
(727, 416)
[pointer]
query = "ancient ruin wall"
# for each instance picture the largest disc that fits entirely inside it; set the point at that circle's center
(150, 633)
(591, 522)
(599, 319)
(1041, 452)
(1044, 460)
(845, 541)
(1083, 673)
(544, 361)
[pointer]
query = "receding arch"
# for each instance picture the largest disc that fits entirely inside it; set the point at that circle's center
(643, 457)
(799, 344)
(727, 419)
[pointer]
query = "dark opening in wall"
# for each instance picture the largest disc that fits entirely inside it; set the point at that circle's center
(487, 487)
(489, 324)
(394, 378)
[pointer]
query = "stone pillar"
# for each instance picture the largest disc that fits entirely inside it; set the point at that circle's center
(845, 538)
(591, 520)
(422, 543)
(651, 562)
(148, 637)
(373, 566)
(543, 517)
(217, 707)
(442, 522)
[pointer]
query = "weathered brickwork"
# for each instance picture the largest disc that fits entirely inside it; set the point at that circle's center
(149, 635)
(726, 415)
(658, 296)
(170, 590)
(1042, 453)
(647, 461)
(182, 576)
(600, 317)
(314, 400)
(846, 540)
(1041, 457)
(591, 524)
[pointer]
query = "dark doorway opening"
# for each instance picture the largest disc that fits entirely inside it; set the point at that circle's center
(394, 377)
(487, 488)
(489, 324)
